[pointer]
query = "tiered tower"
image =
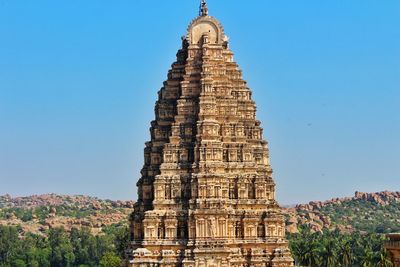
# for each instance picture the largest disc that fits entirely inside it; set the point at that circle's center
(206, 196)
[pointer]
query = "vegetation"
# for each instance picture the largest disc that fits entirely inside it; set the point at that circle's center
(332, 249)
(82, 249)
(61, 249)
(367, 216)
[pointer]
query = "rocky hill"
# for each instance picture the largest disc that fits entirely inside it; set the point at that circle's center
(364, 212)
(38, 213)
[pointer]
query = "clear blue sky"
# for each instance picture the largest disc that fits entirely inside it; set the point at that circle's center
(79, 79)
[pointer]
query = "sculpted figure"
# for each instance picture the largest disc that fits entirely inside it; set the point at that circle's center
(203, 8)
(211, 227)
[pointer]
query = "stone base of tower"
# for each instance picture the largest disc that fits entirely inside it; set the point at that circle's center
(243, 255)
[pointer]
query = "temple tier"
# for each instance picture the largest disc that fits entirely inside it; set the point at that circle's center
(206, 197)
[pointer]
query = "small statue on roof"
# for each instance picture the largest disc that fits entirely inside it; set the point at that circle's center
(203, 8)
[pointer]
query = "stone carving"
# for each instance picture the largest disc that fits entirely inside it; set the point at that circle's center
(206, 195)
(211, 228)
(392, 245)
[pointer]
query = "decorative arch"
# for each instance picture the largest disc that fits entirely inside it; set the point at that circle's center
(205, 25)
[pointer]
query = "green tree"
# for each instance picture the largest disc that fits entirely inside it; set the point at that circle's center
(313, 255)
(110, 259)
(346, 253)
(9, 243)
(333, 248)
(122, 239)
(383, 259)
(367, 259)
(18, 263)
(329, 252)
(62, 254)
(85, 247)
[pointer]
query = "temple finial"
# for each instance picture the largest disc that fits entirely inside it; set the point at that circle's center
(203, 8)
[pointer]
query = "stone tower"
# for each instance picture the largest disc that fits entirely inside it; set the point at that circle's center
(206, 197)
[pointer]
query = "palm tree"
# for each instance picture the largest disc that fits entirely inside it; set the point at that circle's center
(383, 259)
(329, 253)
(313, 254)
(346, 253)
(367, 260)
(299, 249)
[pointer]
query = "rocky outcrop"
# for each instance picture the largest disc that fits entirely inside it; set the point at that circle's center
(315, 216)
(39, 213)
(54, 200)
(382, 198)
(101, 213)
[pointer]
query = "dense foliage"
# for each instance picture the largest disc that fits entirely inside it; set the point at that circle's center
(332, 249)
(62, 249)
(82, 249)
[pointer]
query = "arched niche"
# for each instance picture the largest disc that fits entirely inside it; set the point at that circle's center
(205, 26)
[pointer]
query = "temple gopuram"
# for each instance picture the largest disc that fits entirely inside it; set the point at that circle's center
(206, 196)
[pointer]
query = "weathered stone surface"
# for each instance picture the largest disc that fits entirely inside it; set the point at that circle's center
(393, 246)
(382, 198)
(206, 196)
